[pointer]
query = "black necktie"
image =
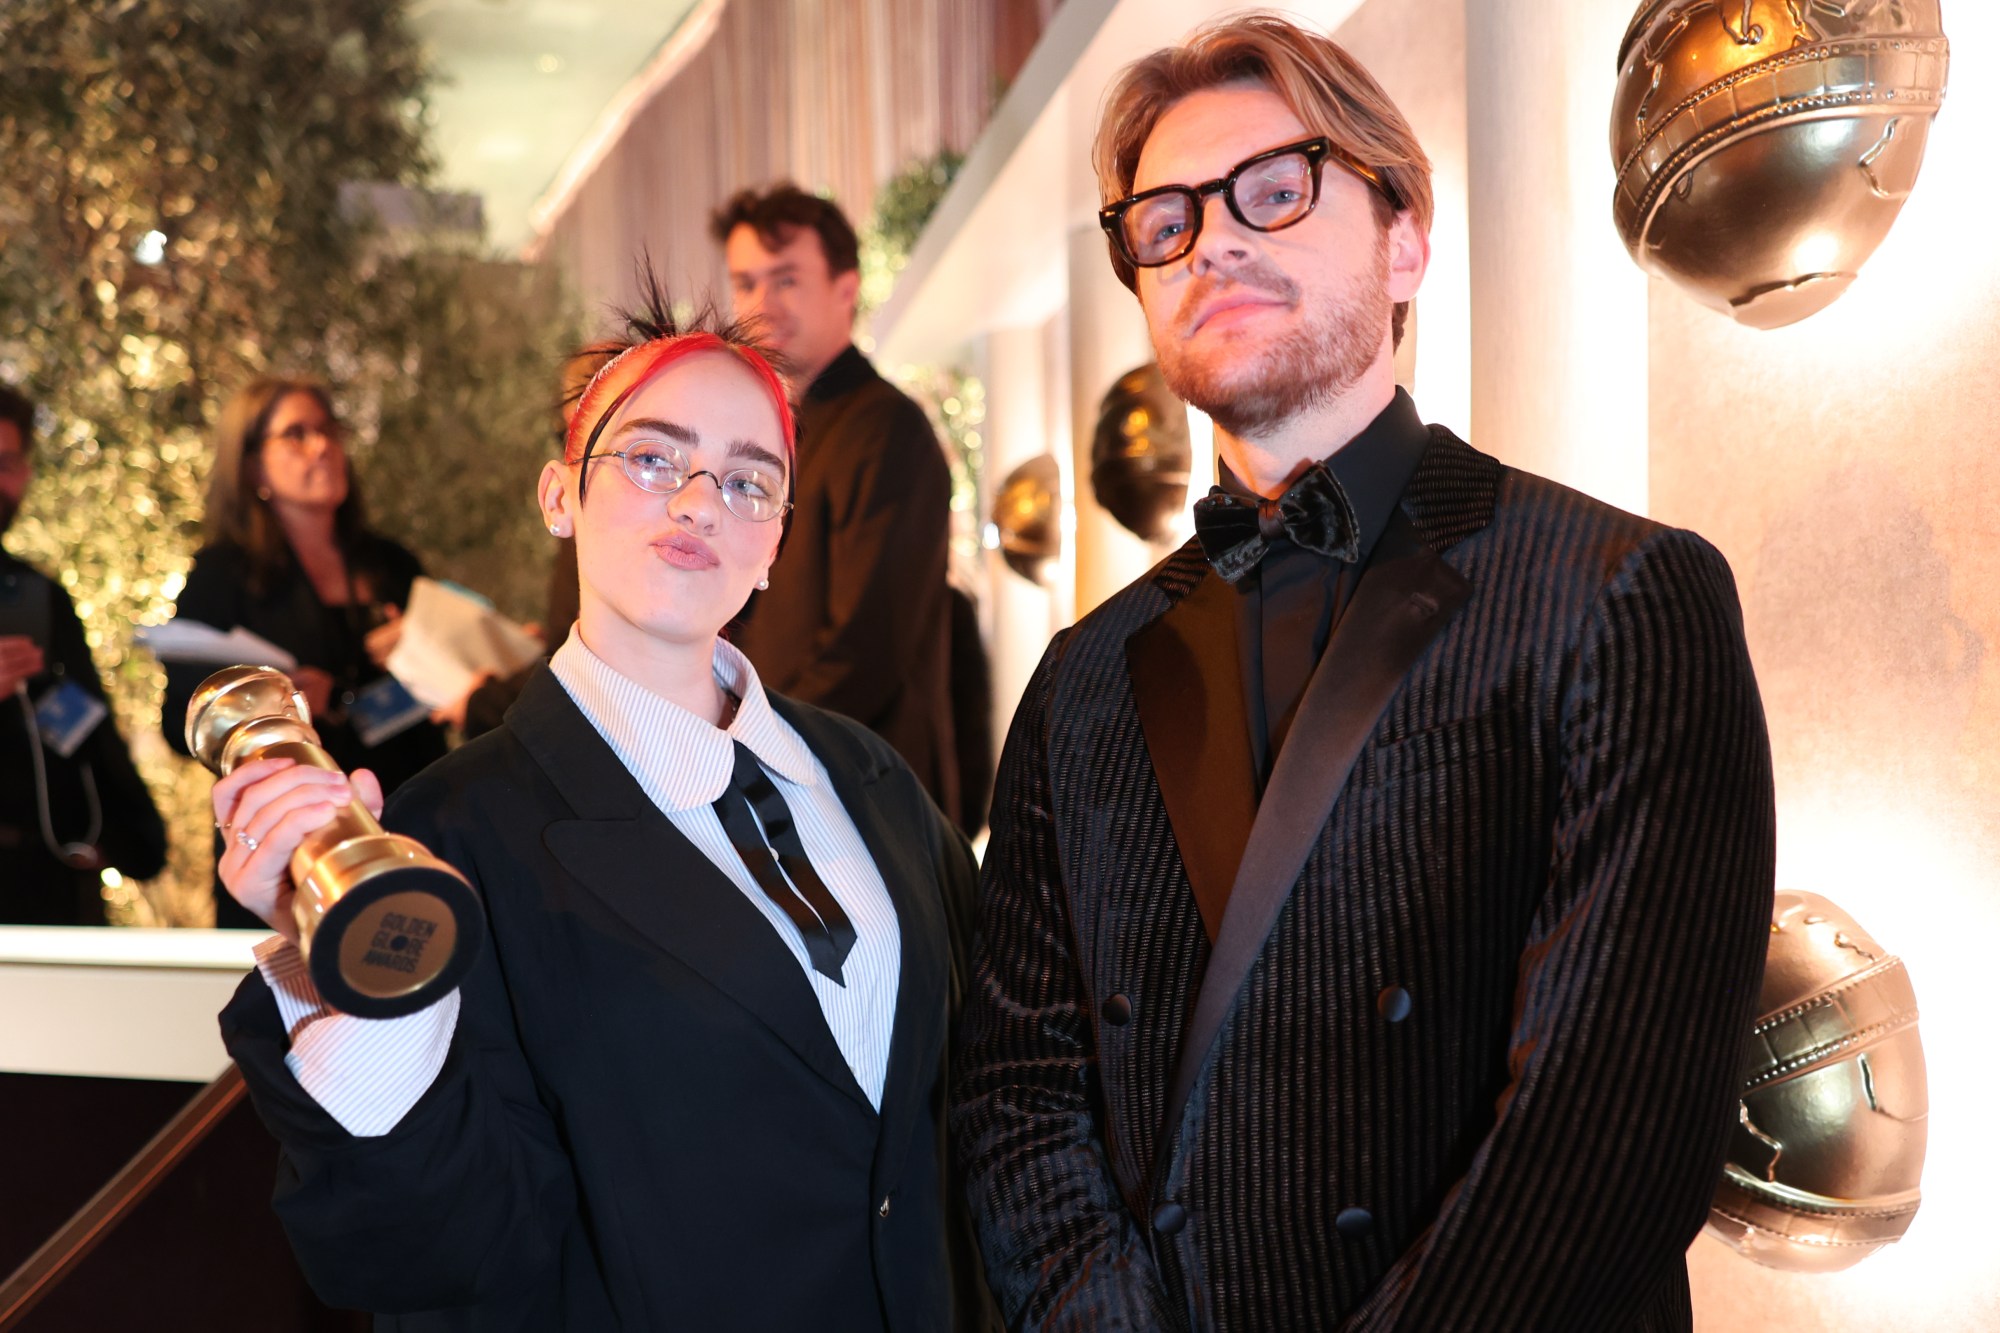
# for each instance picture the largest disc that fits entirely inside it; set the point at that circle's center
(828, 934)
(1314, 512)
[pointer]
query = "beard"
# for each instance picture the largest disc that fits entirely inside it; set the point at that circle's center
(1247, 392)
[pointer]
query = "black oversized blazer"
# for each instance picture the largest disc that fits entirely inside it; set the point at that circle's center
(1464, 1052)
(644, 1121)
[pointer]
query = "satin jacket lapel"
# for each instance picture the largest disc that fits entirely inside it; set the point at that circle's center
(632, 858)
(913, 886)
(1407, 596)
(1188, 688)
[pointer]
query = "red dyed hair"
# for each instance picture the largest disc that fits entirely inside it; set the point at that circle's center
(655, 339)
(625, 374)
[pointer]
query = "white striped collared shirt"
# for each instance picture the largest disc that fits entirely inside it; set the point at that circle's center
(368, 1073)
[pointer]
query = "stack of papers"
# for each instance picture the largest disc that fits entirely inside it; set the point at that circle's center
(192, 641)
(451, 638)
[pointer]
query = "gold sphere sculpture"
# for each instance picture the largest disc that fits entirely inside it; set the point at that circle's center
(1140, 454)
(1828, 1154)
(1027, 518)
(1764, 147)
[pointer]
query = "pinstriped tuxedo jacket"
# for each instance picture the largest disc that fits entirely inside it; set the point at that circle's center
(1461, 1051)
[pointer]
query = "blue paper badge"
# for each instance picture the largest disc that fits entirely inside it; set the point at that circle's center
(67, 713)
(383, 710)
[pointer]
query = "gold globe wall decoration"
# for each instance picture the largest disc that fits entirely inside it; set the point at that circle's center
(1140, 453)
(1765, 147)
(1828, 1155)
(1027, 518)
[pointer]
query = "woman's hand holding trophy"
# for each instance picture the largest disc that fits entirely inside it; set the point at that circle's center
(386, 927)
(260, 833)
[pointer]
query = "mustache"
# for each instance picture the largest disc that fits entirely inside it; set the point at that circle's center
(1257, 274)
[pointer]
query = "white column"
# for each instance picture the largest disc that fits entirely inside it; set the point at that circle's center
(1558, 308)
(1020, 615)
(1107, 337)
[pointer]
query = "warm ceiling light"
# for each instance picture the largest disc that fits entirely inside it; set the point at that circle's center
(549, 62)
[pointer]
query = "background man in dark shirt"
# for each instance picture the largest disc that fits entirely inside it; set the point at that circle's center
(857, 617)
(63, 818)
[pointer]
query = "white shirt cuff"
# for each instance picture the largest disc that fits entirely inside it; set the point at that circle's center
(364, 1072)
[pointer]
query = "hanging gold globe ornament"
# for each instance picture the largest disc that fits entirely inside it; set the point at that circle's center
(1140, 454)
(1764, 147)
(1827, 1162)
(1027, 518)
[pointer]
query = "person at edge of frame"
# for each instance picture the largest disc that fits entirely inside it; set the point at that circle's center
(71, 802)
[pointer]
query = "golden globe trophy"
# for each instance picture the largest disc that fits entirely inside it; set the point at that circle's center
(1827, 1162)
(386, 927)
(1764, 147)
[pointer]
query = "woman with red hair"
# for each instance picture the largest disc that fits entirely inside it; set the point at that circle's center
(695, 1078)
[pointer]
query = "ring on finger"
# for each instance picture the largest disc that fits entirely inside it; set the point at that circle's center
(243, 836)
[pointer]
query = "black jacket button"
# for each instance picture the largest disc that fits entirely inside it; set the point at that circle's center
(1354, 1223)
(1169, 1218)
(1393, 1004)
(1117, 1011)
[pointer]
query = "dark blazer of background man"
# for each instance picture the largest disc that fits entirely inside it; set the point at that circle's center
(857, 618)
(1370, 942)
(99, 811)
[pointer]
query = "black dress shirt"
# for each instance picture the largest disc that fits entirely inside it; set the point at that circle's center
(1288, 606)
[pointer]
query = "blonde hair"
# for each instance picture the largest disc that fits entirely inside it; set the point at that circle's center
(1326, 88)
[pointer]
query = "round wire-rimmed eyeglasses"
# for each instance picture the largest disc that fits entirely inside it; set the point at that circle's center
(1273, 190)
(747, 492)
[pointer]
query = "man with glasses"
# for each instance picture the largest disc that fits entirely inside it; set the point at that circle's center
(1378, 889)
(857, 617)
(71, 802)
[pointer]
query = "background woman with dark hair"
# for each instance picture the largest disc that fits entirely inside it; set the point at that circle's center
(289, 557)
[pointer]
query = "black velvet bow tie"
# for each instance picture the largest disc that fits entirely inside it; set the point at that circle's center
(1314, 512)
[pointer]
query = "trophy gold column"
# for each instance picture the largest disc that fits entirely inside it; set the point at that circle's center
(386, 927)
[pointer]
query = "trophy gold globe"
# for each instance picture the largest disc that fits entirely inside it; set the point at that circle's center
(1826, 1165)
(1765, 147)
(386, 927)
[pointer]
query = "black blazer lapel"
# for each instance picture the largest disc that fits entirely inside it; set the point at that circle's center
(1407, 596)
(1187, 686)
(901, 855)
(632, 858)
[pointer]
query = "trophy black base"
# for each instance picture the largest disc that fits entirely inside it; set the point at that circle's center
(396, 942)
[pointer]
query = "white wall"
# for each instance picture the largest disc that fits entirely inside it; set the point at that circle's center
(1416, 50)
(1849, 467)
